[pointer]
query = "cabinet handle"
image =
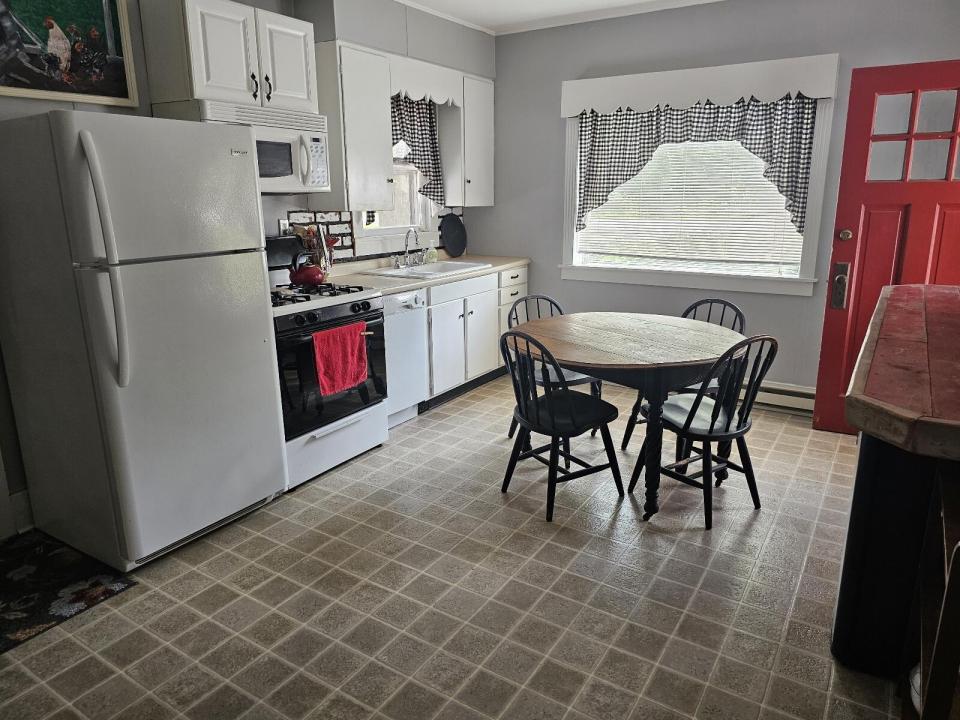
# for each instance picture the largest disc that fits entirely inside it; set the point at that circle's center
(470, 313)
(460, 316)
(514, 277)
(390, 180)
(467, 181)
(269, 87)
(256, 86)
(514, 293)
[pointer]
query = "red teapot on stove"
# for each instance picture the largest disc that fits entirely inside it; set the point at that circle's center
(305, 272)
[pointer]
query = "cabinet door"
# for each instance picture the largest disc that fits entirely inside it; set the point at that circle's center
(365, 81)
(483, 332)
(477, 141)
(223, 51)
(447, 358)
(287, 62)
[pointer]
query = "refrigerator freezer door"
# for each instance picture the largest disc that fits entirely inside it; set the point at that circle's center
(196, 435)
(161, 188)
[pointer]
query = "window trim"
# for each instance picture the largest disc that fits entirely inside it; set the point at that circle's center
(802, 285)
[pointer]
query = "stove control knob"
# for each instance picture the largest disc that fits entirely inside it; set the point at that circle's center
(299, 319)
(356, 307)
(312, 317)
(365, 305)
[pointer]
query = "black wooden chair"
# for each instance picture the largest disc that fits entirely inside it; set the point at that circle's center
(547, 406)
(711, 310)
(535, 307)
(718, 413)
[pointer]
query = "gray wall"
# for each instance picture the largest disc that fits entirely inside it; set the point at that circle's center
(528, 216)
(396, 28)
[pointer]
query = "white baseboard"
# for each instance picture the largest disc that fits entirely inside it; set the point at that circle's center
(787, 396)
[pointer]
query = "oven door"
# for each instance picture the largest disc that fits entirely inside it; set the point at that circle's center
(291, 161)
(305, 409)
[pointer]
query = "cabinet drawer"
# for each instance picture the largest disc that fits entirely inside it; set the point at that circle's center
(461, 289)
(516, 276)
(509, 295)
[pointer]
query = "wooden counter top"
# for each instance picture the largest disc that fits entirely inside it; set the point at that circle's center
(905, 388)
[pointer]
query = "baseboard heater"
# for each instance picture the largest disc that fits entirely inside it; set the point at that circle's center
(786, 396)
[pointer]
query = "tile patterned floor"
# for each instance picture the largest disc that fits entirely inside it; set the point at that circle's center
(405, 586)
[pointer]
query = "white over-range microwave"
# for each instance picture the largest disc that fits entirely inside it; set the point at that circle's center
(291, 146)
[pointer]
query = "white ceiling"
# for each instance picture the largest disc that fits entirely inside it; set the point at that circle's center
(500, 17)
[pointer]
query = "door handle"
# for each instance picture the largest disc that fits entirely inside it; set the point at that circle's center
(839, 286)
(110, 250)
(307, 162)
(256, 86)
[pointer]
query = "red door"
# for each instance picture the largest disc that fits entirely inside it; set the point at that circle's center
(898, 210)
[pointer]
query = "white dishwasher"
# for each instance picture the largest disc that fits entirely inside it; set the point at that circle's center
(407, 351)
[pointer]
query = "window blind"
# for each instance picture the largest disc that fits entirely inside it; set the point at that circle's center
(696, 207)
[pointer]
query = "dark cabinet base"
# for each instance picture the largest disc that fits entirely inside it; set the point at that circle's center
(881, 561)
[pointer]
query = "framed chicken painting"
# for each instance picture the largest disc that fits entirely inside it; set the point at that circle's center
(72, 50)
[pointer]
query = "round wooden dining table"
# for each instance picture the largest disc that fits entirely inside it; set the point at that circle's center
(655, 354)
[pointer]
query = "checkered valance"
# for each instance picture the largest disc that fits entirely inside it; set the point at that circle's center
(415, 122)
(614, 147)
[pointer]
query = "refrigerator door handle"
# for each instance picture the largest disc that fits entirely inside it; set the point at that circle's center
(100, 195)
(120, 320)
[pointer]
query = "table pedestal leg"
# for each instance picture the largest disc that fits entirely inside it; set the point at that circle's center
(654, 444)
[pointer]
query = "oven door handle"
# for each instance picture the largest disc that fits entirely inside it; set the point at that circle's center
(338, 426)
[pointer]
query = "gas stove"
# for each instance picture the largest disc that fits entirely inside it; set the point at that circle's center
(298, 299)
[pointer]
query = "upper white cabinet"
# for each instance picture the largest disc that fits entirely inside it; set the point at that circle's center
(477, 141)
(354, 88)
(226, 51)
(287, 62)
(223, 50)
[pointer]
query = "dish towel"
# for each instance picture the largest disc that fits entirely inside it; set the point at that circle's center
(340, 355)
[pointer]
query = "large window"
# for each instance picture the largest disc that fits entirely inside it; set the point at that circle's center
(708, 178)
(702, 207)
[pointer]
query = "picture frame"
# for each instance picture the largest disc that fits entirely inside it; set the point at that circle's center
(77, 51)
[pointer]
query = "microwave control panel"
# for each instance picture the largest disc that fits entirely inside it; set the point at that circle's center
(319, 164)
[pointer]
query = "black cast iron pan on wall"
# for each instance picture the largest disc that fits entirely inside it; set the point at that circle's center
(453, 235)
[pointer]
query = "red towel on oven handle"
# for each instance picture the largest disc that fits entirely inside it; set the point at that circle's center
(340, 355)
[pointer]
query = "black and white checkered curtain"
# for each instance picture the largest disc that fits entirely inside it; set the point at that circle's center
(415, 122)
(614, 147)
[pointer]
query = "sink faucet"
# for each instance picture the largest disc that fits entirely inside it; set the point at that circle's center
(418, 255)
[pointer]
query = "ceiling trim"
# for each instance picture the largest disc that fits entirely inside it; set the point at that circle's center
(446, 16)
(561, 20)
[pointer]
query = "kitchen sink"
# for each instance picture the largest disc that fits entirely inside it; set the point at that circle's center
(430, 271)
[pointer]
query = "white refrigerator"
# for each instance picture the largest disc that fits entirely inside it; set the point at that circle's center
(136, 330)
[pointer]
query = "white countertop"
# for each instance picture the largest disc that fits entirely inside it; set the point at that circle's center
(390, 285)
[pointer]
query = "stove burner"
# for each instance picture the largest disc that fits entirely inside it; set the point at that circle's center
(287, 296)
(322, 290)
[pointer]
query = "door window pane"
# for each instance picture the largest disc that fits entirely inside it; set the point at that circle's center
(886, 160)
(937, 108)
(956, 164)
(893, 114)
(929, 160)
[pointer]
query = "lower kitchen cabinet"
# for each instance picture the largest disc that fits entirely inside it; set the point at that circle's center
(448, 360)
(483, 332)
(466, 320)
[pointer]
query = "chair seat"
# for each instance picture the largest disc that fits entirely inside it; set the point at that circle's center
(677, 408)
(588, 413)
(713, 387)
(571, 376)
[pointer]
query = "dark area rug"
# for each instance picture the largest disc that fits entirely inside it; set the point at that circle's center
(43, 582)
